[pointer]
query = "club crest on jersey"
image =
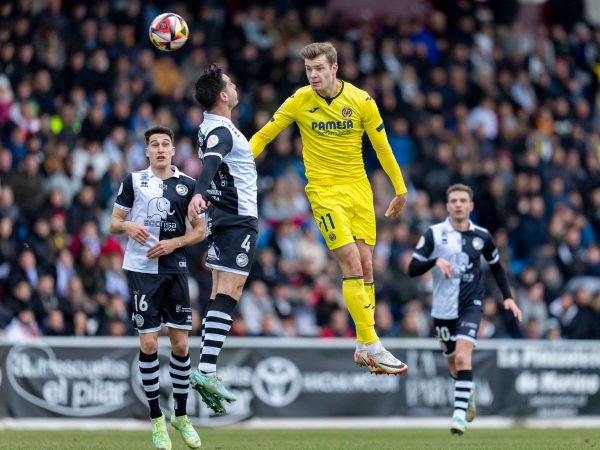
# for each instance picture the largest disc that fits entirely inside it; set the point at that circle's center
(181, 189)
(241, 260)
(139, 320)
(346, 112)
(212, 141)
(332, 236)
(477, 243)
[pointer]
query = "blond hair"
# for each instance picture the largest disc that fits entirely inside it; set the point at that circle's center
(316, 49)
(459, 188)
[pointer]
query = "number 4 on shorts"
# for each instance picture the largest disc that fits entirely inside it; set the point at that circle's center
(246, 243)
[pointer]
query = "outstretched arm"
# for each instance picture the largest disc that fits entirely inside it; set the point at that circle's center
(283, 117)
(376, 131)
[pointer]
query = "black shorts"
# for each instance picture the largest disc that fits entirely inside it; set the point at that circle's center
(465, 327)
(232, 241)
(159, 299)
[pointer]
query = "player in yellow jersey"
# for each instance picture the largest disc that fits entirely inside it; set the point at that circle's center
(332, 116)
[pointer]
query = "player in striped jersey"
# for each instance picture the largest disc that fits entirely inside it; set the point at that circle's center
(151, 209)
(453, 249)
(227, 188)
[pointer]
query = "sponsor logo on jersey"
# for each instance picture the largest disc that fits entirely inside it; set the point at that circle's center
(332, 125)
(346, 112)
(241, 260)
(332, 236)
(139, 320)
(477, 243)
(212, 141)
(181, 189)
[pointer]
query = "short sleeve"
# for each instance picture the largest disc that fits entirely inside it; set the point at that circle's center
(125, 196)
(424, 247)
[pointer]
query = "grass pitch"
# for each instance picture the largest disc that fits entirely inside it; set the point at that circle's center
(233, 438)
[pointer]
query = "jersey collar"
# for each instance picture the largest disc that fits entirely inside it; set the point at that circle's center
(176, 171)
(449, 226)
(208, 115)
(331, 99)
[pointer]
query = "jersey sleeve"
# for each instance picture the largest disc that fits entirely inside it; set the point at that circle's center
(282, 118)
(219, 144)
(424, 247)
(490, 251)
(373, 125)
(125, 196)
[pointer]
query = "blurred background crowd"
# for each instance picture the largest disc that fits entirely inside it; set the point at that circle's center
(499, 94)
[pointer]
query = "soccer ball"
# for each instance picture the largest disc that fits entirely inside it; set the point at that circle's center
(168, 32)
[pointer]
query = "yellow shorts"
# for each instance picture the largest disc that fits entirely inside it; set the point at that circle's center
(344, 213)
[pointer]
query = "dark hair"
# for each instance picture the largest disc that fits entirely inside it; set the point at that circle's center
(208, 87)
(158, 130)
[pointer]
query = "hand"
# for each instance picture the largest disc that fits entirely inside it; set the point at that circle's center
(444, 266)
(136, 231)
(196, 206)
(162, 248)
(509, 303)
(396, 205)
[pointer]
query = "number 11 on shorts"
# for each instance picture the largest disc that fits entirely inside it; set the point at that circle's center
(324, 222)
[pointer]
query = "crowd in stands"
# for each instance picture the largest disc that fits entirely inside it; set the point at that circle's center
(468, 94)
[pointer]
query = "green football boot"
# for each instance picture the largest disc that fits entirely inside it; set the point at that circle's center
(458, 426)
(471, 406)
(188, 433)
(211, 390)
(160, 435)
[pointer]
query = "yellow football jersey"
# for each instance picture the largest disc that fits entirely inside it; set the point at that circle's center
(332, 130)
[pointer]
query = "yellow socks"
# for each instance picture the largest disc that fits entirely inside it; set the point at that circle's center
(359, 306)
(370, 289)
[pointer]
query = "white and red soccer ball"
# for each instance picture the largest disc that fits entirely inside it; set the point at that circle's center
(168, 32)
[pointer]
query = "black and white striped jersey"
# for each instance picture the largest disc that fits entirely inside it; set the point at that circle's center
(463, 250)
(161, 206)
(233, 187)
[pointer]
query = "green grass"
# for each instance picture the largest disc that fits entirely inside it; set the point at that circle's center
(233, 438)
